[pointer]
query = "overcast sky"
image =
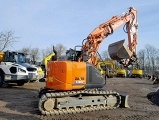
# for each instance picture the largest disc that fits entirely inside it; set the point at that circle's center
(42, 23)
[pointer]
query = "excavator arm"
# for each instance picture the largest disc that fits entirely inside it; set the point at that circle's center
(92, 42)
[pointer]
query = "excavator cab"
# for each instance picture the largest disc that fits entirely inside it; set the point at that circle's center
(74, 54)
(119, 50)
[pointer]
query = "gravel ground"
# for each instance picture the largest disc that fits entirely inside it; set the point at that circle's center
(20, 103)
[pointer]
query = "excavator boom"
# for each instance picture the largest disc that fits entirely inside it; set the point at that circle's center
(126, 54)
(94, 39)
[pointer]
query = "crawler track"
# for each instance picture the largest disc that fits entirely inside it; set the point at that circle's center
(58, 103)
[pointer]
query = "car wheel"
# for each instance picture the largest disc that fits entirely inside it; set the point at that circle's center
(2, 83)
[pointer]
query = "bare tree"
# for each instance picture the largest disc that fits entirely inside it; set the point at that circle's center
(43, 53)
(46, 52)
(6, 39)
(34, 54)
(157, 60)
(142, 58)
(60, 49)
(151, 54)
(25, 50)
(105, 55)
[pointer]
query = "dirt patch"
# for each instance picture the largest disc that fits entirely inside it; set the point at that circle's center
(20, 103)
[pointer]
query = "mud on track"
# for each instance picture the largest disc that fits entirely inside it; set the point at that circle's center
(20, 103)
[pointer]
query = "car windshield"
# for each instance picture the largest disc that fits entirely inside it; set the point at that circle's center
(19, 58)
(14, 57)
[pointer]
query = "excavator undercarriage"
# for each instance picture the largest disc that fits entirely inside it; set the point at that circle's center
(79, 101)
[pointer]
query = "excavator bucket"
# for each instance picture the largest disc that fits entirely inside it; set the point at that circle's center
(119, 50)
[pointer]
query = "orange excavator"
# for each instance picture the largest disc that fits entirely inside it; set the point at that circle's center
(74, 84)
